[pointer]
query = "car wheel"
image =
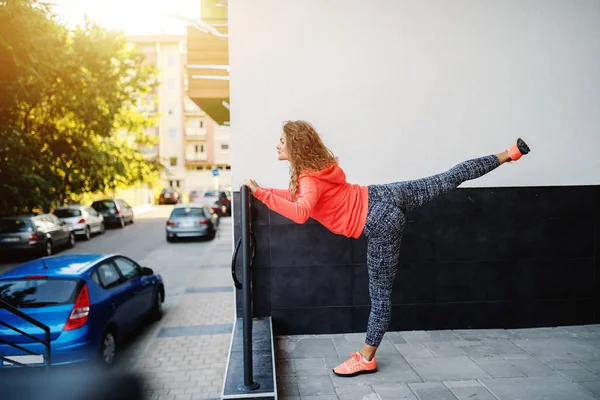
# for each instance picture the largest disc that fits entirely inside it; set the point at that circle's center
(132, 219)
(108, 348)
(48, 250)
(157, 311)
(71, 240)
(170, 239)
(88, 233)
(121, 223)
(102, 228)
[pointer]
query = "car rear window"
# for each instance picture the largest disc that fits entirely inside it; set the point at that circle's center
(211, 194)
(188, 212)
(104, 205)
(67, 213)
(23, 293)
(14, 225)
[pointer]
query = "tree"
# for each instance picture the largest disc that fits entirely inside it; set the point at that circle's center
(69, 119)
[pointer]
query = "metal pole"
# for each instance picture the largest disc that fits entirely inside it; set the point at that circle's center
(48, 349)
(249, 383)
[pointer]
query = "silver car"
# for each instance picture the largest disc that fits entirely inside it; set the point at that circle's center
(83, 220)
(191, 220)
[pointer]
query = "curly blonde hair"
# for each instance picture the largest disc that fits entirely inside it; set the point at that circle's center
(306, 151)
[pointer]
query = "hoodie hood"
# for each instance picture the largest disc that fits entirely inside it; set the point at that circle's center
(333, 174)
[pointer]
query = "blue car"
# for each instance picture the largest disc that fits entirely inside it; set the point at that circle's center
(90, 302)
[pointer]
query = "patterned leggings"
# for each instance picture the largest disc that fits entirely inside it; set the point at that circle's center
(388, 205)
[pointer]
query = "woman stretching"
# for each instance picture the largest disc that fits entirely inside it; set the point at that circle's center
(318, 189)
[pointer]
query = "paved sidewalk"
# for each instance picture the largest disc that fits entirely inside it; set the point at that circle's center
(184, 355)
(526, 364)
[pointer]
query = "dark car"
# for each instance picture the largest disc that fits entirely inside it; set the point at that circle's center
(115, 211)
(168, 196)
(191, 220)
(34, 234)
(90, 302)
(223, 201)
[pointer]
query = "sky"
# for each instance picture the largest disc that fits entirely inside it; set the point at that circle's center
(130, 16)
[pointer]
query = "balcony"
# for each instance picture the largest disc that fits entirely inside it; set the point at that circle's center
(195, 133)
(191, 108)
(196, 157)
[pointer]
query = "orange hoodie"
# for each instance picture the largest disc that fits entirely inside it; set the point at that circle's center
(324, 196)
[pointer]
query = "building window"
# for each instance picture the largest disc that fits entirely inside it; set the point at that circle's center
(224, 146)
(173, 161)
(199, 148)
(200, 123)
(228, 168)
(172, 133)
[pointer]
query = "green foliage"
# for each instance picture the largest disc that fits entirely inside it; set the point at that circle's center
(69, 101)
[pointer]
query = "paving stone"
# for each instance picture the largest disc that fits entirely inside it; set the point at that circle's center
(444, 349)
(477, 350)
(447, 368)
(497, 367)
(485, 334)
(288, 386)
(395, 337)
(310, 367)
(410, 351)
(416, 337)
(592, 387)
(435, 394)
(501, 346)
(537, 388)
(315, 386)
(426, 385)
(443, 336)
(472, 393)
(529, 365)
(459, 384)
(592, 366)
(566, 349)
(357, 393)
(320, 397)
(579, 375)
(306, 348)
(394, 392)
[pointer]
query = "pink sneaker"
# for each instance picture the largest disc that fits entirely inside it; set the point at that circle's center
(518, 150)
(355, 365)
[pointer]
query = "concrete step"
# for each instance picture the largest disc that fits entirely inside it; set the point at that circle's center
(263, 362)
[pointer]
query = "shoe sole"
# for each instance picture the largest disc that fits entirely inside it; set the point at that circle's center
(371, 371)
(522, 146)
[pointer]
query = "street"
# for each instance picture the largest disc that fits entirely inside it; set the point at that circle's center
(184, 354)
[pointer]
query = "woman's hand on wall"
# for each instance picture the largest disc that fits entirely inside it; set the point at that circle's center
(252, 185)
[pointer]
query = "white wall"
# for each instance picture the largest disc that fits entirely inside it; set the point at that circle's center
(404, 89)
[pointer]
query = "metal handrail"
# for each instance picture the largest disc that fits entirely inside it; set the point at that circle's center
(22, 315)
(249, 383)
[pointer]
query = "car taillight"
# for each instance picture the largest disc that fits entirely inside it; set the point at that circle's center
(34, 237)
(203, 222)
(214, 207)
(170, 223)
(117, 212)
(81, 310)
(81, 221)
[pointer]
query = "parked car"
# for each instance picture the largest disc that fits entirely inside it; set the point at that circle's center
(168, 196)
(191, 220)
(195, 195)
(90, 302)
(223, 201)
(34, 234)
(115, 211)
(82, 220)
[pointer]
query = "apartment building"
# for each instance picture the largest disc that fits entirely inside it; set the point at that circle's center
(191, 145)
